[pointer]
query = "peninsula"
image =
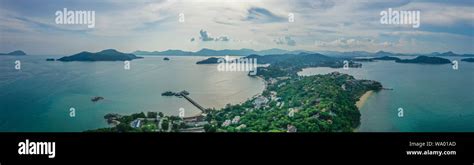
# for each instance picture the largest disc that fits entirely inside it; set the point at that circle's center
(289, 103)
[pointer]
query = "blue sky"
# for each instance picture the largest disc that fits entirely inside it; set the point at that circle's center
(320, 25)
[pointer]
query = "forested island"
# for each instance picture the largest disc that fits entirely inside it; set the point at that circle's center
(14, 53)
(212, 60)
(273, 51)
(288, 65)
(468, 60)
(290, 103)
(386, 58)
(417, 60)
(425, 60)
(104, 55)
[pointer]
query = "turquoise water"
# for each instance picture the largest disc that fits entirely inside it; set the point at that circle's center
(434, 98)
(39, 96)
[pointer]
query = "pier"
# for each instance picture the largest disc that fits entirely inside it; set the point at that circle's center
(185, 95)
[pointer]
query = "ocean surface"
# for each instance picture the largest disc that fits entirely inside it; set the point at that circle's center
(39, 97)
(434, 98)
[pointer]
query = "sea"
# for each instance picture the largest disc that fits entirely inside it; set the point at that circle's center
(431, 98)
(40, 95)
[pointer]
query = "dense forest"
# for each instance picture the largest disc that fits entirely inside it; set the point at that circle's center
(310, 104)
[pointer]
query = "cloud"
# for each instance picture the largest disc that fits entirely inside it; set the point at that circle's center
(222, 38)
(285, 41)
(444, 14)
(262, 15)
(205, 36)
(345, 43)
(319, 4)
(14, 22)
(262, 24)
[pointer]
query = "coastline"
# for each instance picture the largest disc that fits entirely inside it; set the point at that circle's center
(363, 99)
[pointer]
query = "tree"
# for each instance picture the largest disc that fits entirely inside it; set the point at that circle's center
(151, 114)
(209, 128)
(164, 125)
(138, 115)
(122, 127)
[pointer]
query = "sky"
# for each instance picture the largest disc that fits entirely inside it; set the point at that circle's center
(318, 25)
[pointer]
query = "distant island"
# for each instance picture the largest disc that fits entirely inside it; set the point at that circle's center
(224, 52)
(105, 55)
(417, 60)
(425, 60)
(276, 51)
(178, 94)
(212, 60)
(14, 53)
(433, 54)
(386, 58)
(363, 59)
(468, 60)
(451, 54)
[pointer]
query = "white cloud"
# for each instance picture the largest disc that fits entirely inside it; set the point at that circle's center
(442, 14)
(287, 40)
(256, 24)
(205, 36)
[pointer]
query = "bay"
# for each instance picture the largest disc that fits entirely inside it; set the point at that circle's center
(434, 98)
(38, 97)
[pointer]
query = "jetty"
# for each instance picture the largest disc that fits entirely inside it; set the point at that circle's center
(184, 94)
(197, 105)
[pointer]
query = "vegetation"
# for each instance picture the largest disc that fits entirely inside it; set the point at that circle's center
(288, 65)
(148, 123)
(212, 60)
(290, 103)
(321, 103)
(425, 60)
(105, 55)
(15, 53)
(468, 60)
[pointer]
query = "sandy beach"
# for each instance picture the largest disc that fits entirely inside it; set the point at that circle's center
(363, 99)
